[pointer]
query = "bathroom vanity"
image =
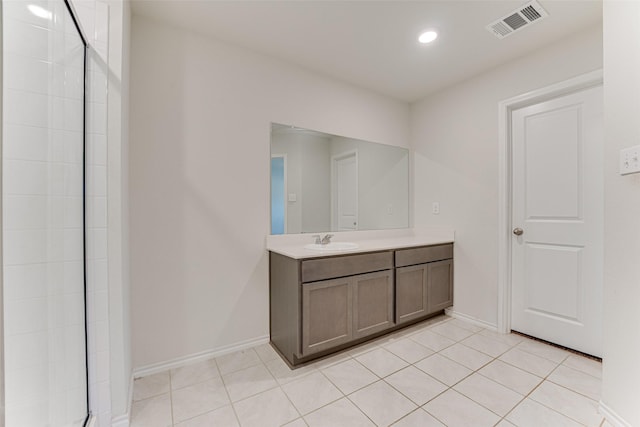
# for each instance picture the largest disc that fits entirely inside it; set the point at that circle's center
(323, 302)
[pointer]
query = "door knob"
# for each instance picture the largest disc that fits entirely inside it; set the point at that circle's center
(518, 231)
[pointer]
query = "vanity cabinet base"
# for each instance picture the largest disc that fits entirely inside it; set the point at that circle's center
(313, 313)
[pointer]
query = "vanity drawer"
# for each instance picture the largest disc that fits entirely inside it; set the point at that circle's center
(423, 255)
(340, 266)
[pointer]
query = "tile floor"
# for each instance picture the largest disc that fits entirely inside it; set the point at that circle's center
(442, 372)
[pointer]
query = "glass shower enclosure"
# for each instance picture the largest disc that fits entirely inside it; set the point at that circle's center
(43, 215)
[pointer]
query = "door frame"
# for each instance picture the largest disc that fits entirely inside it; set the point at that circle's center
(505, 203)
(335, 220)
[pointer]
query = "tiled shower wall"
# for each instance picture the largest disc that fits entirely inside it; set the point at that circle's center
(22, 75)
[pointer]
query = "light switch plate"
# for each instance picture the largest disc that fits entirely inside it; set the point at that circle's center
(630, 160)
(293, 197)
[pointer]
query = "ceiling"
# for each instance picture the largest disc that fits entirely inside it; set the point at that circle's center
(373, 44)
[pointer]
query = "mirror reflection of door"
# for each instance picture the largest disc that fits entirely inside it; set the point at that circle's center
(345, 194)
(278, 194)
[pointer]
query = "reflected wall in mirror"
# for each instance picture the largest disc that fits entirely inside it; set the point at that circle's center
(322, 182)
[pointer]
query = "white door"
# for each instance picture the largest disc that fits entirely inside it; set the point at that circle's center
(557, 216)
(345, 192)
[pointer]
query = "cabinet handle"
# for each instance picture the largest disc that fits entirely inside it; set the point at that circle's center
(518, 231)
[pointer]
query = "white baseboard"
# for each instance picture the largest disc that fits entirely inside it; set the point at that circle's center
(451, 312)
(197, 357)
(92, 421)
(120, 421)
(610, 415)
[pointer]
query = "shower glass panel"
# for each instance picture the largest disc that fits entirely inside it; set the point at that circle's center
(43, 215)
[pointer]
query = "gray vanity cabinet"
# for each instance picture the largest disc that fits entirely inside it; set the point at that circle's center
(340, 310)
(327, 314)
(439, 285)
(322, 304)
(424, 281)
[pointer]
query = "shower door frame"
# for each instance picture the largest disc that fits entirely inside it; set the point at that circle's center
(85, 43)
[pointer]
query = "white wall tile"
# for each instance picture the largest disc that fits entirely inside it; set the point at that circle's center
(27, 108)
(25, 281)
(25, 212)
(27, 39)
(30, 143)
(28, 74)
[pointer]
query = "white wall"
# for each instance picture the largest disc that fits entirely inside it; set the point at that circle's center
(621, 370)
(455, 137)
(201, 114)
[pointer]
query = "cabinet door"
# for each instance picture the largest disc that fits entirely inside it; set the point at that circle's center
(411, 292)
(439, 285)
(372, 302)
(327, 319)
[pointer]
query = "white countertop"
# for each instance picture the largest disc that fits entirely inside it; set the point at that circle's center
(292, 245)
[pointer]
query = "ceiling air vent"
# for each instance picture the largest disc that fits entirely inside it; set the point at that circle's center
(517, 20)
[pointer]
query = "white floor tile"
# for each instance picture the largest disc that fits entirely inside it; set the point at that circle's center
(238, 360)
(271, 408)
(155, 411)
(419, 418)
(331, 360)
(510, 339)
(266, 352)
(451, 331)
(382, 403)
(151, 385)
(541, 349)
(284, 374)
(577, 381)
(266, 392)
(532, 414)
(529, 362)
(443, 369)
(350, 376)
(466, 325)
(363, 348)
(194, 373)
(510, 376)
(311, 392)
(339, 413)
(569, 403)
(224, 416)
(198, 399)
(466, 356)
(432, 340)
(489, 394)
(583, 364)
(454, 409)
(381, 362)
(408, 350)
(296, 423)
(416, 385)
(247, 382)
(490, 346)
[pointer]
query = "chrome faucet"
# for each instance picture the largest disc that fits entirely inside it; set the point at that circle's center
(324, 240)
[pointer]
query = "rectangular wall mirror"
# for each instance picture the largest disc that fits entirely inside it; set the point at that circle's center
(322, 182)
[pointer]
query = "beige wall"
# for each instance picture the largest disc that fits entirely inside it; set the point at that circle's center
(454, 135)
(621, 373)
(199, 170)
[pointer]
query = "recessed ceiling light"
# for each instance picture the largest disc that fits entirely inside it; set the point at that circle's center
(40, 11)
(427, 37)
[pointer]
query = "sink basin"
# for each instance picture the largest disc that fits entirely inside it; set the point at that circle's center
(333, 246)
